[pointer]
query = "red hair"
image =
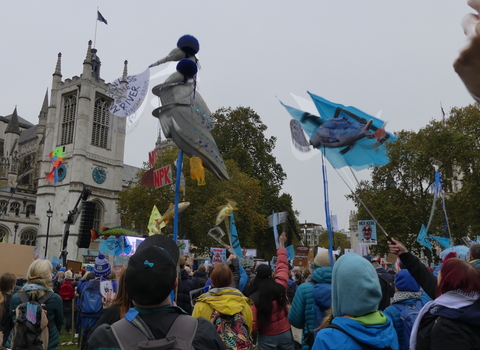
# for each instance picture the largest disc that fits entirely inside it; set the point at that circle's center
(221, 276)
(458, 274)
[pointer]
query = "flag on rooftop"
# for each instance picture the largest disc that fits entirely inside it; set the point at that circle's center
(101, 18)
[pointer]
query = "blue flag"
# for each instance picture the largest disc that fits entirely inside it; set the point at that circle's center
(423, 238)
(443, 241)
(101, 18)
(234, 241)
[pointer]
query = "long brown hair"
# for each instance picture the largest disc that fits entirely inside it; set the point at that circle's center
(7, 282)
(123, 300)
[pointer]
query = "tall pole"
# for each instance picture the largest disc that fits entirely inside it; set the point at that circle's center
(49, 216)
(16, 228)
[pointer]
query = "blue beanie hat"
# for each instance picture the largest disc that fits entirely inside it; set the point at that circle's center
(62, 269)
(101, 267)
(404, 282)
(355, 286)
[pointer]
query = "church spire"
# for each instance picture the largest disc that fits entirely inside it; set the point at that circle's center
(88, 58)
(58, 67)
(13, 125)
(44, 110)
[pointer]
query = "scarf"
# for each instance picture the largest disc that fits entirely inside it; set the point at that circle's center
(32, 287)
(401, 296)
(453, 300)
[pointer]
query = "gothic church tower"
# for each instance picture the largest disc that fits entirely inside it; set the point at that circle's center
(78, 120)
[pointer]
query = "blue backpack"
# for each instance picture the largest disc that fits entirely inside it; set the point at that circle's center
(91, 299)
(408, 314)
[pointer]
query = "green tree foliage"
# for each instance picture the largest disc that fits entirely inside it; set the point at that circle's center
(255, 184)
(399, 194)
(239, 134)
(339, 239)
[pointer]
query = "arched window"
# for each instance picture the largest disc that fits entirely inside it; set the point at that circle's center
(3, 206)
(3, 234)
(101, 122)
(30, 209)
(98, 217)
(68, 118)
(28, 237)
(15, 208)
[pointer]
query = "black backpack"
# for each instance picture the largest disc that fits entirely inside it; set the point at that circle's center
(30, 331)
(135, 334)
(389, 292)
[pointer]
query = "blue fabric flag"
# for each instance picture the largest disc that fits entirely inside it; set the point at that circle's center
(234, 241)
(275, 230)
(423, 238)
(290, 252)
(101, 18)
(443, 241)
(363, 153)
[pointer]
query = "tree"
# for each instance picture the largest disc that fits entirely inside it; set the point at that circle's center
(339, 239)
(255, 183)
(399, 194)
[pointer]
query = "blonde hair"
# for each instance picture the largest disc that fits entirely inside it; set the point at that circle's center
(40, 272)
(68, 274)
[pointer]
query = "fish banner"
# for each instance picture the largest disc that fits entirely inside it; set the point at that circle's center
(128, 93)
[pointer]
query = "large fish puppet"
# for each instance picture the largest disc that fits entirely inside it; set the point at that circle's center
(346, 135)
(184, 115)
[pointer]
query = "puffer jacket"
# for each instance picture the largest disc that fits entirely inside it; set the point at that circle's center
(183, 295)
(227, 301)
(302, 314)
(394, 313)
(279, 321)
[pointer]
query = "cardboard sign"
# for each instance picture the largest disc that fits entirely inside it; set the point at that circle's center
(301, 256)
(162, 176)
(75, 266)
(15, 258)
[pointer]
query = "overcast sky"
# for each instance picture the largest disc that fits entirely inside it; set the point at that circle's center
(377, 55)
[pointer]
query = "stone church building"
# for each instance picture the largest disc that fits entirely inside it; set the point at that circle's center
(74, 115)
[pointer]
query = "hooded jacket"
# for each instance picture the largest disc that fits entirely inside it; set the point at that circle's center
(227, 301)
(374, 329)
(452, 321)
(185, 285)
(319, 291)
(356, 295)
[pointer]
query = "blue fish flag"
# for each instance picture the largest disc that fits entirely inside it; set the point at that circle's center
(290, 252)
(234, 241)
(423, 238)
(362, 153)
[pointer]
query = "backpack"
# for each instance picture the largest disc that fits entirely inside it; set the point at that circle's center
(91, 298)
(30, 330)
(362, 345)
(233, 330)
(291, 290)
(390, 289)
(134, 334)
(66, 290)
(408, 314)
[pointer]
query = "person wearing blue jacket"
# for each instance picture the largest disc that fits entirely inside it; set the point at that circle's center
(302, 314)
(407, 295)
(356, 294)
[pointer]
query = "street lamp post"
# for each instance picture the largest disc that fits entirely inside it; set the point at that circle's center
(49, 215)
(16, 228)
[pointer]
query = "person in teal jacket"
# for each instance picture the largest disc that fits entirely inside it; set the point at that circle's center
(302, 314)
(356, 294)
(39, 281)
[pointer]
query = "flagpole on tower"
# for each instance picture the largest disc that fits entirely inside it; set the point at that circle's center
(95, 36)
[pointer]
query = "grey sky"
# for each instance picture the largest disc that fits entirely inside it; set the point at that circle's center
(393, 56)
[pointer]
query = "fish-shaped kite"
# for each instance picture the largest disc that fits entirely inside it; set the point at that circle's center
(171, 212)
(346, 135)
(184, 115)
(225, 212)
